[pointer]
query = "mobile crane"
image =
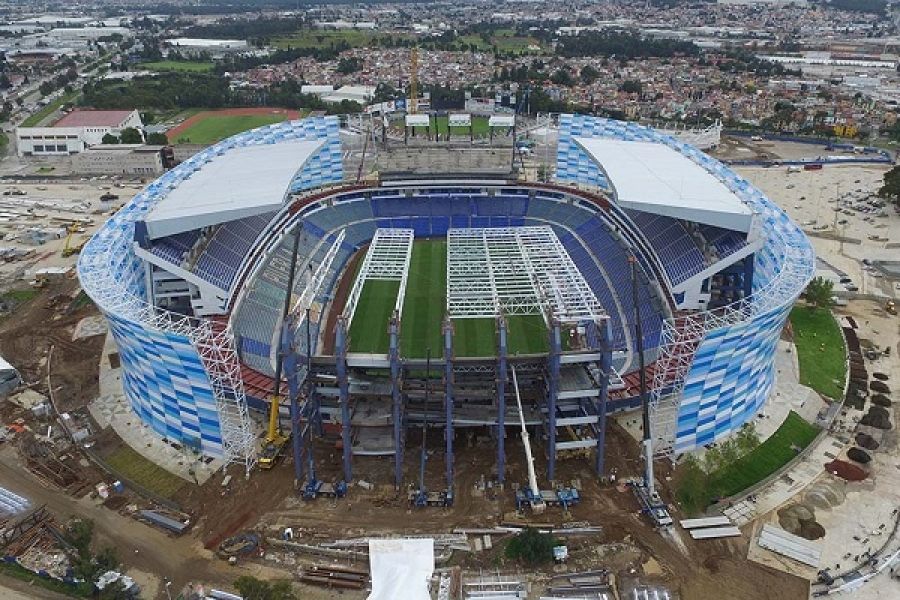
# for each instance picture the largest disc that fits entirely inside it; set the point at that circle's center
(276, 441)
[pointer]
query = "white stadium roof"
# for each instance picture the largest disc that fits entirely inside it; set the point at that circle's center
(241, 183)
(655, 178)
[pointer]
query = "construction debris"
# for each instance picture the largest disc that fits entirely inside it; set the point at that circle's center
(335, 576)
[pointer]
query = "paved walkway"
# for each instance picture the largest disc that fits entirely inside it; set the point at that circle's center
(111, 408)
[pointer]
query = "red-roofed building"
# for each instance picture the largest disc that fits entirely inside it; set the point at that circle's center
(75, 132)
(114, 119)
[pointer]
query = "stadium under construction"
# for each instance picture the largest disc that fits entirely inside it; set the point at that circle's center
(460, 301)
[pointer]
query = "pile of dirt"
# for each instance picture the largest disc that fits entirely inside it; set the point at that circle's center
(800, 519)
(845, 470)
(880, 386)
(864, 440)
(880, 376)
(877, 417)
(859, 455)
(881, 400)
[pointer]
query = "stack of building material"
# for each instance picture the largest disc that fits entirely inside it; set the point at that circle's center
(787, 544)
(710, 528)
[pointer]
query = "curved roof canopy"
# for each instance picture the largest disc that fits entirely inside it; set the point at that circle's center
(239, 183)
(656, 178)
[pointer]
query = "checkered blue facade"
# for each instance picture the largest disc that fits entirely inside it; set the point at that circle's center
(733, 368)
(164, 377)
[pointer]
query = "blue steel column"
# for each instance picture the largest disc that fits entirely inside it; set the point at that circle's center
(448, 399)
(340, 346)
(291, 364)
(552, 396)
(394, 356)
(501, 399)
(605, 343)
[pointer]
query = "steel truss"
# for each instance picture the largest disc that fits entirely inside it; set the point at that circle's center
(515, 271)
(388, 260)
(682, 335)
(215, 346)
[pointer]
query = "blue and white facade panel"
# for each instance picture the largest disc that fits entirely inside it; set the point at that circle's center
(164, 377)
(733, 369)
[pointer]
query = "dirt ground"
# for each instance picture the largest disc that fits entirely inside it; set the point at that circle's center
(712, 569)
(49, 320)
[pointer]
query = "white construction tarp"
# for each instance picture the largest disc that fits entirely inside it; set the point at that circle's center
(401, 568)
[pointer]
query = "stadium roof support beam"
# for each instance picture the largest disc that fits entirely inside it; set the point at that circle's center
(515, 271)
(387, 260)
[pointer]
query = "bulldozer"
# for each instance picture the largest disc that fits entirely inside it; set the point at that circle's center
(890, 307)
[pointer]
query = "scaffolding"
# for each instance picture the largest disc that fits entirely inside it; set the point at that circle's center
(515, 271)
(386, 260)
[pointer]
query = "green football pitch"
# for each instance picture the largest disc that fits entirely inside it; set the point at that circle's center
(424, 308)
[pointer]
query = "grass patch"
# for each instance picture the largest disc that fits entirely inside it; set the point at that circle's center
(144, 473)
(46, 169)
(74, 590)
(820, 350)
(184, 66)
(480, 127)
(425, 303)
(323, 39)
(369, 329)
(214, 128)
(19, 296)
(35, 119)
(697, 489)
(526, 334)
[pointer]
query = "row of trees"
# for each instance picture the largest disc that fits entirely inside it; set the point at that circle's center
(623, 44)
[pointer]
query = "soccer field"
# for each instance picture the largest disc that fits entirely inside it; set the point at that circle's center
(209, 127)
(369, 329)
(424, 308)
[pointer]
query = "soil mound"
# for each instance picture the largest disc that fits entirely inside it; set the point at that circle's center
(845, 470)
(877, 417)
(880, 386)
(864, 440)
(859, 455)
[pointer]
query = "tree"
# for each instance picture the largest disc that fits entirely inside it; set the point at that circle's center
(589, 74)
(818, 292)
(531, 547)
(630, 86)
(891, 186)
(109, 138)
(130, 135)
(157, 139)
(252, 588)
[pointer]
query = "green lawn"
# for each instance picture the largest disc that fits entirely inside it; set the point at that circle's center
(526, 334)
(697, 490)
(820, 350)
(144, 473)
(187, 66)
(322, 39)
(480, 127)
(74, 590)
(218, 127)
(369, 329)
(35, 119)
(425, 303)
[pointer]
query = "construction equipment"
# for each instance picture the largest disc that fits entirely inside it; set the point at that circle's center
(421, 497)
(315, 488)
(531, 495)
(645, 490)
(890, 307)
(69, 249)
(275, 441)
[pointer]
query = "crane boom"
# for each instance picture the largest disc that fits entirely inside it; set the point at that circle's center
(526, 441)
